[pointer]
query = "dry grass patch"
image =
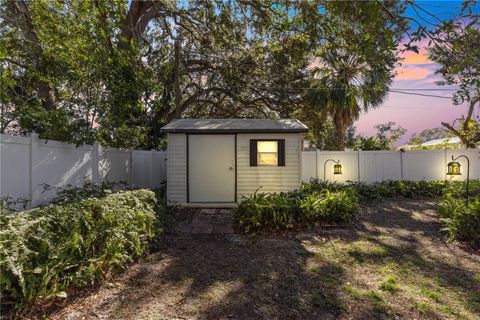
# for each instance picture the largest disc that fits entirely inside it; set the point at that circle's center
(393, 263)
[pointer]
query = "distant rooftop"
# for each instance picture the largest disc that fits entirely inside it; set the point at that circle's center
(234, 126)
(452, 140)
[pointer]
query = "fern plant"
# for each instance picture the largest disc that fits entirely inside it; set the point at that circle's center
(46, 250)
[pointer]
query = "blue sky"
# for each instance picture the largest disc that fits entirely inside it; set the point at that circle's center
(414, 112)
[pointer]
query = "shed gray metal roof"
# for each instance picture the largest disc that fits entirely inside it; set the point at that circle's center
(234, 126)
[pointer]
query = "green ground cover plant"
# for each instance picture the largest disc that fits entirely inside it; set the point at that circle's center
(386, 189)
(461, 219)
(319, 201)
(287, 209)
(47, 250)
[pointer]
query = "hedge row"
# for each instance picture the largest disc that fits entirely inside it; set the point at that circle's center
(288, 209)
(327, 201)
(46, 250)
(386, 189)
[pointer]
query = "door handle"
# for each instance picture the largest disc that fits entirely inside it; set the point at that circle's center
(231, 168)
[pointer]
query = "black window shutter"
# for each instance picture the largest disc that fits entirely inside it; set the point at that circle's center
(281, 153)
(253, 153)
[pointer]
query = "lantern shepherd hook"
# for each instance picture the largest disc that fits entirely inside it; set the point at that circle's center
(336, 171)
(456, 171)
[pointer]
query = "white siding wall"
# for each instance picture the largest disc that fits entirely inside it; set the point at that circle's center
(177, 167)
(271, 179)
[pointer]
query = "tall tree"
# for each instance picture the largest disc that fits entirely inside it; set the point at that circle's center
(356, 67)
(385, 138)
(457, 50)
(82, 71)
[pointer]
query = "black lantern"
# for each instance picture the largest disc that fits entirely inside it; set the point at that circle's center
(453, 168)
(337, 169)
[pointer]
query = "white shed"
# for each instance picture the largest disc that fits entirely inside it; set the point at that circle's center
(215, 162)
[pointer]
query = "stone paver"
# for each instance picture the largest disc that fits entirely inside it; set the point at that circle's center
(208, 221)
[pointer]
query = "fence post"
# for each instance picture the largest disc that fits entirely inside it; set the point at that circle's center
(401, 163)
(130, 167)
(95, 163)
(358, 163)
(445, 163)
(33, 152)
(316, 162)
(152, 159)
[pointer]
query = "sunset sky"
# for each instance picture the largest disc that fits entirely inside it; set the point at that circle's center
(413, 112)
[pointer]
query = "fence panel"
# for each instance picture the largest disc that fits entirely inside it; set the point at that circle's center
(15, 164)
(28, 163)
(348, 160)
(425, 165)
(159, 169)
(376, 166)
(56, 165)
(309, 167)
(380, 166)
(115, 165)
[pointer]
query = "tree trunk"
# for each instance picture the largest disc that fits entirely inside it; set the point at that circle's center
(129, 29)
(340, 128)
(458, 132)
(178, 110)
(45, 91)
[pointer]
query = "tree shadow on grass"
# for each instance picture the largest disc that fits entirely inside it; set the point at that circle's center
(422, 250)
(256, 278)
(262, 279)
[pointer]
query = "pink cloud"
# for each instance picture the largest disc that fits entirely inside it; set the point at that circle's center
(411, 111)
(415, 66)
(412, 72)
(410, 57)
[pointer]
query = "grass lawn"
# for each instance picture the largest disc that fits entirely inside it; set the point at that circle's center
(393, 263)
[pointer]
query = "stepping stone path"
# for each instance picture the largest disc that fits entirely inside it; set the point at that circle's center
(207, 222)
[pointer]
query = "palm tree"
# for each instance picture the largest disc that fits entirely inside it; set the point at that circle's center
(343, 86)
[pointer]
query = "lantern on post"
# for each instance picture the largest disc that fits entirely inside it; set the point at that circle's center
(453, 169)
(337, 168)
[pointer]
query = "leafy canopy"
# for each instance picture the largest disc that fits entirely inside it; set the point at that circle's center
(84, 71)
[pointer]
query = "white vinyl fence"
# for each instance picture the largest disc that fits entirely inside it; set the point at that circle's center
(376, 166)
(29, 163)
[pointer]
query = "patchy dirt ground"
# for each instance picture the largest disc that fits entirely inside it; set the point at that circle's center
(393, 264)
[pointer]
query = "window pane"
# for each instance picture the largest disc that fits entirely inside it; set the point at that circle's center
(267, 146)
(267, 158)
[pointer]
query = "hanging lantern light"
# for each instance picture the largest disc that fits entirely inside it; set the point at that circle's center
(337, 169)
(453, 168)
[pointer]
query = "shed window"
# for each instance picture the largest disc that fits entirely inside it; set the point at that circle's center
(267, 153)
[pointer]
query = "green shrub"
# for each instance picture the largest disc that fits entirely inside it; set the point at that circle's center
(332, 201)
(264, 210)
(462, 221)
(336, 206)
(69, 193)
(46, 250)
(388, 189)
(287, 209)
